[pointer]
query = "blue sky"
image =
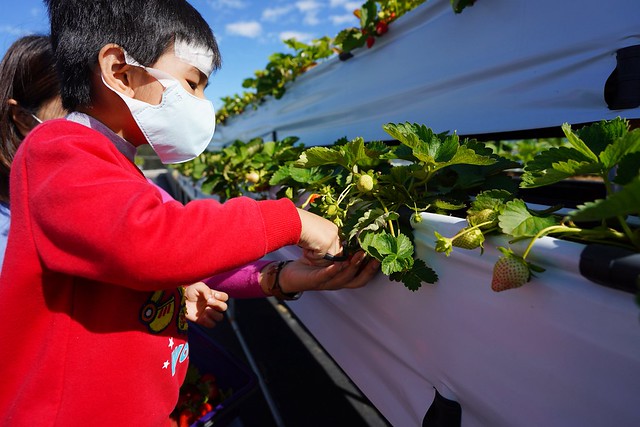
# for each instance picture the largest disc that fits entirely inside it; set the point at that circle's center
(248, 31)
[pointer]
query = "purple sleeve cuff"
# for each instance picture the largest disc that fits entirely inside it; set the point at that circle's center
(243, 282)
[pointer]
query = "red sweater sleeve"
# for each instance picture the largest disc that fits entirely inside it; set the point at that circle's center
(94, 215)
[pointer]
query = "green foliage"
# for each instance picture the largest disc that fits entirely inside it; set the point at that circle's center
(283, 68)
(240, 168)
(607, 150)
(416, 175)
(426, 171)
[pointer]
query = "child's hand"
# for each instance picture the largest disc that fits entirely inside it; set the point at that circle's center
(318, 238)
(204, 305)
(299, 276)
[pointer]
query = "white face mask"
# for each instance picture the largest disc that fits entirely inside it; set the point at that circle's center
(179, 128)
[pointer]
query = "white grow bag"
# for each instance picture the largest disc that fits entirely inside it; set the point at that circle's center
(560, 351)
(500, 65)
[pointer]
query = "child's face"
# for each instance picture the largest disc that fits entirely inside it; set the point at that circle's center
(191, 79)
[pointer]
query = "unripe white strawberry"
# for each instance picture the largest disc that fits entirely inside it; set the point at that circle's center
(510, 272)
(365, 183)
(252, 177)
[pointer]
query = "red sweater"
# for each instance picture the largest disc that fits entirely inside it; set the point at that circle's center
(92, 330)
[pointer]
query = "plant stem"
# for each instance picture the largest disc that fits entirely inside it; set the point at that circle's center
(545, 231)
(391, 229)
(570, 230)
(623, 223)
(467, 230)
(344, 193)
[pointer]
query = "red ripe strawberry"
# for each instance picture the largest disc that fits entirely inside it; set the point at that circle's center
(314, 197)
(187, 416)
(370, 41)
(205, 408)
(509, 272)
(381, 28)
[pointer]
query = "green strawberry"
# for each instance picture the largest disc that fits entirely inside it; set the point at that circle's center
(485, 215)
(509, 272)
(469, 239)
(365, 183)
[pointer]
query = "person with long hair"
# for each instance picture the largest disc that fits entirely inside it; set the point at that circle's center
(29, 94)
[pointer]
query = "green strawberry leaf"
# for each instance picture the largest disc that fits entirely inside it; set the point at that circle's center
(620, 203)
(557, 164)
(468, 156)
(628, 169)
(490, 199)
(414, 278)
(599, 135)
(516, 220)
(614, 153)
(320, 156)
(395, 253)
(308, 176)
(395, 264)
(372, 220)
(444, 205)
(426, 145)
(578, 144)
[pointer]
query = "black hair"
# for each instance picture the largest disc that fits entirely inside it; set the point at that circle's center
(28, 76)
(144, 28)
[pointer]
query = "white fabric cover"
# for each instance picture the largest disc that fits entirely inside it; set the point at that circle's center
(560, 351)
(501, 65)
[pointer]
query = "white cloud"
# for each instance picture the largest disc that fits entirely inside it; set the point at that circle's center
(14, 30)
(251, 29)
(307, 5)
(230, 4)
(273, 13)
(346, 4)
(343, 19)
(309, 9)
(301, 37)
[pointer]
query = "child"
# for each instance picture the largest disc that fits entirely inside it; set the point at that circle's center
(29, 94)
(90, 291)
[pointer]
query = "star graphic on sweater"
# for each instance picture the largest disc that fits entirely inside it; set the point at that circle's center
(165, 365)
(170, 342)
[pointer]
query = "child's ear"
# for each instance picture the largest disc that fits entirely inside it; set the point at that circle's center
(21, 118)
(114, 69)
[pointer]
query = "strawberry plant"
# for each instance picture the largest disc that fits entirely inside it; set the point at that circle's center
(281, 69)
(369, 190)
(199, 395)
(240, 168)
(608, 150)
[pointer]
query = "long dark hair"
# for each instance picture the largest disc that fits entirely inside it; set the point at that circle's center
(27, 74)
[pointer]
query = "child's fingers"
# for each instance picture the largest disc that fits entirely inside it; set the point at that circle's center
(220, 296)
(215, 304)
(356, 274)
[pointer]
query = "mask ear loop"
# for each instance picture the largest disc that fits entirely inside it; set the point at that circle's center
(164, 78)
(25, 113)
